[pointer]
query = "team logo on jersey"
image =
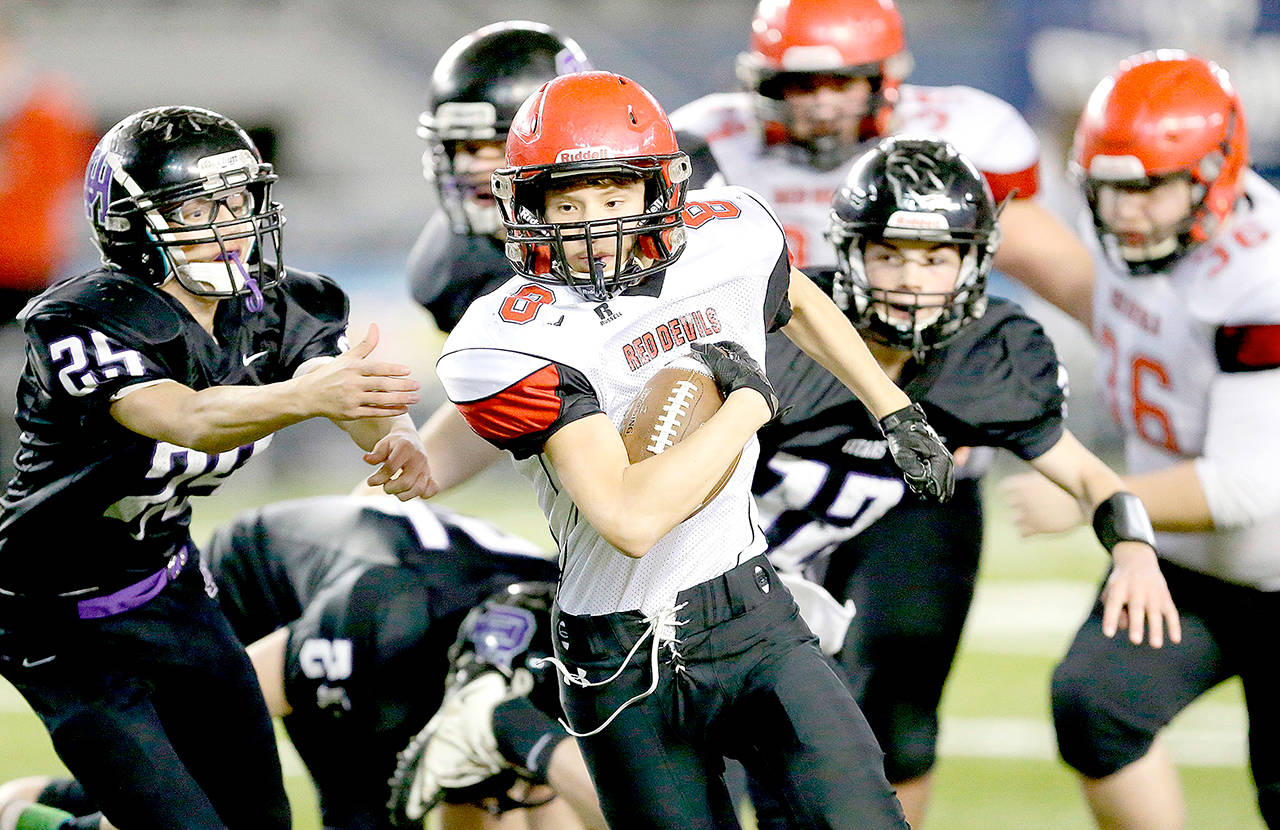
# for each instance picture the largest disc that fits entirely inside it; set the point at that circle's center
(606, 314)
(675, 332)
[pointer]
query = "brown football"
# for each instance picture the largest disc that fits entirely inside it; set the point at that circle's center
(676, 401)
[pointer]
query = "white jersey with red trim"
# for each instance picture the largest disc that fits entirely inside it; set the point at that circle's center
(986, 129)
(529, 358)
(1190, 362)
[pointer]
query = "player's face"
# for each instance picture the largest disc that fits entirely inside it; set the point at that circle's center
(1145, 220)
(594, 202)
(224, 209)
(826, 105)
(916, 276)
(473, 164)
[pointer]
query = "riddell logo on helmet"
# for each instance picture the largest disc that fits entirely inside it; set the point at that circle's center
(584, 154)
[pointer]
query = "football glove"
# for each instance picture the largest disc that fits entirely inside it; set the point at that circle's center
(918, 451)
(733, 368)
(456, 750)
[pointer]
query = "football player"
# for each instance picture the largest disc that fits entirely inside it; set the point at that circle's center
(354, 610)
(822, 76)
(1187, 316)
(676, 642)
(147, 381)
(476, 88)
(914, 226)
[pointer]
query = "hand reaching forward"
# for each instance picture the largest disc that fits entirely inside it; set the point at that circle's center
(1136, 596)
(403, 470)
(352, 386)
(919, 452)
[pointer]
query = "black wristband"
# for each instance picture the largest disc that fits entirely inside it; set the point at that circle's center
(526, 736)
(1122, 518)
(911, 412)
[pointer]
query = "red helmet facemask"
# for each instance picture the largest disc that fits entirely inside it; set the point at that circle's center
(592, 125)
(1162, 115)
(805, 43)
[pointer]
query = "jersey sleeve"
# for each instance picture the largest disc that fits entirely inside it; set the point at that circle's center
(76, 361)
(777, 305)
(1247, 348)
(315, 322)
(1003, 381)
(513, 400)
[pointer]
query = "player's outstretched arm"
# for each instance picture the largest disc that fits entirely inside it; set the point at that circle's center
(1136, 595)
(221, 418)
(1040, 251)
(634, 505)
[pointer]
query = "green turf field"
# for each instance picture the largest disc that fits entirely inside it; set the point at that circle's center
(998, 767)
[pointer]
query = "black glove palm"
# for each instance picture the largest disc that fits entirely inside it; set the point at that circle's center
(733, 368)
(918, 451)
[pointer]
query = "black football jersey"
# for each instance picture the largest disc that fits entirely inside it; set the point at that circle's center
(373, 592)
(448, 270)
(825, 472)
(95, 506)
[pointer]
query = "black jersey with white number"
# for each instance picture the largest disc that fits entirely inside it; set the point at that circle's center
(448, 270)
(95, 506)
(373, 592)
(825, 473)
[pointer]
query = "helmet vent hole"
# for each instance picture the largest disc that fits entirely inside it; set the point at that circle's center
(631, 113)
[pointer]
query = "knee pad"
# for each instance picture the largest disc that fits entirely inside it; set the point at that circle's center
(910, 745)
(1094, 738)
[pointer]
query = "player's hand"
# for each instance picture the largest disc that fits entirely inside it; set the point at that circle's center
(733, 368)
(926, 465)
(1039, 505)
(353, 386)
(1136, 596)
(403, 469)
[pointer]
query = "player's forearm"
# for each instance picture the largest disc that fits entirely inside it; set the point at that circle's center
(457, 453)
(367, 432)
(213, 420)
(822, 331)
(1173, 497)
(1042, 253)
(632, 506)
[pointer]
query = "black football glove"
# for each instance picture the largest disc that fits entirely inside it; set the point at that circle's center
(918, 451)
(733, 368)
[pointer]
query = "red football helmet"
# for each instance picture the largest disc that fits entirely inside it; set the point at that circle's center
(591, 124)
(1163, 114)
(850, 38)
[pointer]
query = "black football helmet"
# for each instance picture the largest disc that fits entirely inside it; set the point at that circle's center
(909, 187)
(142, 182)
(476, 88)
(505, 632)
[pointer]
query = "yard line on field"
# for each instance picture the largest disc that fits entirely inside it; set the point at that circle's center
(1037, 617)
(1208, 735)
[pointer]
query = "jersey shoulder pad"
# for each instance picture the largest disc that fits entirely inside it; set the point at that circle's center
(513, 399)
(1001, 369)
(127, 308)
(316, 294)
(715, 116)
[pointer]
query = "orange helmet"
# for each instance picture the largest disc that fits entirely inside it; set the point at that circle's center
(1163, 114)
(853, 38)
(591, 124)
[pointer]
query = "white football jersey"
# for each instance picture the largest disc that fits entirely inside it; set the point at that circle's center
(990, 132)
(1190, 363)
(528, 358)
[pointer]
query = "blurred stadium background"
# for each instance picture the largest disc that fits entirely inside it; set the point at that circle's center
(331, 91)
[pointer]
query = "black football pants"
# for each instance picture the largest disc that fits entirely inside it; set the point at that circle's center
(748, 683)
(156, 711)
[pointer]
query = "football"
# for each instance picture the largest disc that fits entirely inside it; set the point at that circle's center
(676, 401)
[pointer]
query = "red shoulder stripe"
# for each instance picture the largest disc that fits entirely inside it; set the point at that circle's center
(530, 405)
(1025, 182)
(1248, 348)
